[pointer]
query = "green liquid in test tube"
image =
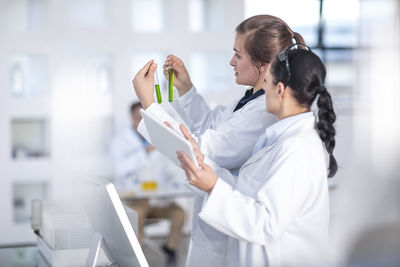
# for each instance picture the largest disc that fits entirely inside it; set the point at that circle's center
(157, 86)
(170, 85)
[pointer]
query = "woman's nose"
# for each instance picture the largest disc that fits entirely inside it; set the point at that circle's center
(232, 62)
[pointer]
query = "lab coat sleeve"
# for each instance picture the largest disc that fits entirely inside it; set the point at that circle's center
(221, 173)
(231, 144)
(194, 189)
(262, 218)
(196, 113)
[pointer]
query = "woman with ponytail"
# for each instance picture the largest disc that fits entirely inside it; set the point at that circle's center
(226, 134)
(277, 211)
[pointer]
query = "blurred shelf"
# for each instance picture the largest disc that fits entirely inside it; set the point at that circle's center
(33, 169)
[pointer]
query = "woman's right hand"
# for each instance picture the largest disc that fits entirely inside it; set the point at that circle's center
(181, 78)
(144, 84)
(204, 178)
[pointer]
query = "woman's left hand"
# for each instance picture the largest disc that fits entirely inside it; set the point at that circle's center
(196, 148)
(204, 178)
(144, 84)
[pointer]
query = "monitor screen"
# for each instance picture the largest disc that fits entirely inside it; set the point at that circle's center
(109, 219)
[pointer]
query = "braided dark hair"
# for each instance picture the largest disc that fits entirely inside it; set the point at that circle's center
(306, 82)
(326, 118)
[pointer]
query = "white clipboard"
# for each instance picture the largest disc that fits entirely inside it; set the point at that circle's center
(166, 140)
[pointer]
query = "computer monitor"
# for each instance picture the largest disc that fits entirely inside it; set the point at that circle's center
(114, 231)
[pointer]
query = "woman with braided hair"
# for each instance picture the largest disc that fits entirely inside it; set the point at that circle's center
(226, 134)
(277, 213)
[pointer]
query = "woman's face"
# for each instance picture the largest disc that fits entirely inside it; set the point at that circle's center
(271, 94)
(245, 72)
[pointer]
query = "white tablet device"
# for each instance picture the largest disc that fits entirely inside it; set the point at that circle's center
(166, 140)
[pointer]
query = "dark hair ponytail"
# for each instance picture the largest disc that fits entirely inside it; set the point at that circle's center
(326, 131)
(298, 38)
(306, 83)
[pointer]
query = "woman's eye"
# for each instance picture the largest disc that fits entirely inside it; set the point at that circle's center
(237, 55)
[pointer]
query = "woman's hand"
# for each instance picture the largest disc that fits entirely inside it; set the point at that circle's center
(196, 149)
(149, 149)
(144, 84)
(181, 78)
(204, 178)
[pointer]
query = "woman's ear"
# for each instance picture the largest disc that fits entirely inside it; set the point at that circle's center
(281, 89)
(264, 67)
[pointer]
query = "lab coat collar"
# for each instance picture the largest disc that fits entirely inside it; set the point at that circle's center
(288, 126)
(280, 130)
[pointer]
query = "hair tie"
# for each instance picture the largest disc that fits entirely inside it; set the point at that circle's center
(321, 89)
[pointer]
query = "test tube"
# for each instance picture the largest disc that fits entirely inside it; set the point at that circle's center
(170, 85)
(157, 86)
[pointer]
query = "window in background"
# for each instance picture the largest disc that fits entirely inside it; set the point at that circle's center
(87, 76)
(30, 138)
(339, 39)
(150, 15)
(330, 28)
(210, 71)
(28, 75)
(341, 24)
(23, 194)
(24, 15)
(89, 14)
(301, 16)
(82, 97)
(207, 15)
(341, 75)
(94, 76)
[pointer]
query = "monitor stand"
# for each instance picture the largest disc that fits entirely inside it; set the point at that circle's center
(94, 250)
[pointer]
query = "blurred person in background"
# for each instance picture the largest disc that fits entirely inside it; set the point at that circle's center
(133, 158)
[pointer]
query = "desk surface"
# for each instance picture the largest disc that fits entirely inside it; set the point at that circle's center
(26, 256)
(23, 256)
(165, 191)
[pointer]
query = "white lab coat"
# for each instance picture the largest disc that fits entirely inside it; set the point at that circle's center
(277, 213)
(225, 137)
